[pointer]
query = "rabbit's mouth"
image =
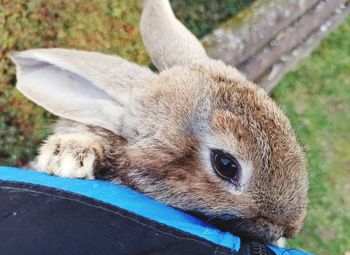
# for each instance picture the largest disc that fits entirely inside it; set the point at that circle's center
(257, 229)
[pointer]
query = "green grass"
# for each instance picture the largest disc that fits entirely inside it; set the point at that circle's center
(316, 97)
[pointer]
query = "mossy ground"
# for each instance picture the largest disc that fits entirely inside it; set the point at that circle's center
(316, 96)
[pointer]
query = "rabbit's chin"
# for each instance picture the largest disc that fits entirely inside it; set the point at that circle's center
(258, 229)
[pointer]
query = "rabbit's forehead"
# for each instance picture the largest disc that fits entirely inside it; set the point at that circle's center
(259, 129)
(250, 116)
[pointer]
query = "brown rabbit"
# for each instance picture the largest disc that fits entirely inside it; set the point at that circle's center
(198, 135)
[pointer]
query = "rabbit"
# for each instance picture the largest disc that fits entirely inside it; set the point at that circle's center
(198, 135)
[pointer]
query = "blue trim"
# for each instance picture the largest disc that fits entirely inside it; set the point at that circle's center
(126, 199)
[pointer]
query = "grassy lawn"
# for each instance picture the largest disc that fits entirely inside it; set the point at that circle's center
(316, 96)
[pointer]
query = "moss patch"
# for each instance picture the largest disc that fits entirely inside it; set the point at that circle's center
(201, 16)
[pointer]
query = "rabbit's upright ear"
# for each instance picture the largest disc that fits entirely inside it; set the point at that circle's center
(87, 87)
(167, 41)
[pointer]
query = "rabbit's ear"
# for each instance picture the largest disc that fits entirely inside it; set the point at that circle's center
(87, 87)
(167, 41)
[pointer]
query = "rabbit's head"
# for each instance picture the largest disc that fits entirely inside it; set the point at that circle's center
(199, 135)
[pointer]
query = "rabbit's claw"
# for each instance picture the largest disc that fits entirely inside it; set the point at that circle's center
(70, 155)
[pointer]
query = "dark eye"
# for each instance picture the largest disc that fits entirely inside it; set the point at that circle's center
(226, 166)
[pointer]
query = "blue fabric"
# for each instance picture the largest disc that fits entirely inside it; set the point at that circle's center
(134, 202)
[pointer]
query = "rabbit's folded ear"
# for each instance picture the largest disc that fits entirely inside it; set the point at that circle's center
(167, 41)
(87, 87)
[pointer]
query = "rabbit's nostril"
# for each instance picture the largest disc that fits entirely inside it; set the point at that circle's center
(254, 229)
(259, 231)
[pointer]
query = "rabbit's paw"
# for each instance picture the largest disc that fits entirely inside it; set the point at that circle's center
(70, 155)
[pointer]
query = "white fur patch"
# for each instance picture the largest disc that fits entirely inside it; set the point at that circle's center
(70, 155)
(281, 242)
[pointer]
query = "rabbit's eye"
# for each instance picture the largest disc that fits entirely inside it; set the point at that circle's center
(226, 166)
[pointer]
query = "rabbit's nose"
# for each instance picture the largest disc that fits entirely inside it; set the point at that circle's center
(257, 229)
(254, 229)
